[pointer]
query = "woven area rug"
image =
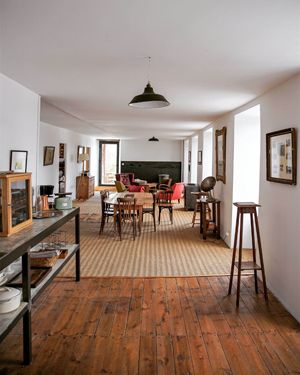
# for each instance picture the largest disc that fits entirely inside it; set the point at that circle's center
(173, 250)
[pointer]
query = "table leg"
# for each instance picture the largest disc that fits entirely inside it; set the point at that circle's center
(77, 240)
(218, 220)
(203, 220)
(140, 223)
(27, 346)
(115, 217)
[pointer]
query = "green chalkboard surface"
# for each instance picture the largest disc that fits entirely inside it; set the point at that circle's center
(149, 170)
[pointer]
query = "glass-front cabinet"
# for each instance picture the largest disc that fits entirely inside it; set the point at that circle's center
(15, 202)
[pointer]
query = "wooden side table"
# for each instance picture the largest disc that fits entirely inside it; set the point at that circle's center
(247, 208)
(215, 220)
(197, 195)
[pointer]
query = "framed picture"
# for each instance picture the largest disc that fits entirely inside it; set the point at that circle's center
(282, 156)
(200, 157)
(221, 155)
(18, 161)
(80, 150)
(49, 155)
(190, 156)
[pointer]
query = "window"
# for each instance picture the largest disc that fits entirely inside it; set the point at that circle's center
(108, 162)
(207, 164)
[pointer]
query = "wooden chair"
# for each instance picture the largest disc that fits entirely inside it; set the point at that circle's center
(127, 213)
(106, 210)
(164, 201)
(151, 210)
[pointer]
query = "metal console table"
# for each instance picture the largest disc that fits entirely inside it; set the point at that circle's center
(19, 245)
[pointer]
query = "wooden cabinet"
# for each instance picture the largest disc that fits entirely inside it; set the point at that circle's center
(85, 187)
(15, 202)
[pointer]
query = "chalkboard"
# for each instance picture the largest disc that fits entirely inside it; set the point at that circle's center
(149, 170)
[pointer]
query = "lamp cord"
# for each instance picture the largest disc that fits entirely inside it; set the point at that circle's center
(149, 61)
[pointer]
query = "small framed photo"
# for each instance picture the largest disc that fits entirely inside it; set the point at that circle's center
(221, 155)
(49, 155)
(282, 156)
(18, 161)
(200, 157)
(80, 150)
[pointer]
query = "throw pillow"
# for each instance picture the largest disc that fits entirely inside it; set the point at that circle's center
(136, 189)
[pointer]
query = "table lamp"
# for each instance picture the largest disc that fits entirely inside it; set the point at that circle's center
(83, 157)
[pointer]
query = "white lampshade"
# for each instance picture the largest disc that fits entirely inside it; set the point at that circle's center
(83, 157)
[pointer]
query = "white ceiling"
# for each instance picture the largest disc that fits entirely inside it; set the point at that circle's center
(88, 59)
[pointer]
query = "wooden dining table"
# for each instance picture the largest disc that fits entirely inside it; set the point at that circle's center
(142, 199)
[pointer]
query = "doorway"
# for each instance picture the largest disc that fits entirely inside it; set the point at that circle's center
(108, 162)
(246, 164)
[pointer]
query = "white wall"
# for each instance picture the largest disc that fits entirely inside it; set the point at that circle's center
(279, 216)
(207, 153)
(51, 136)
(19, 122)
(186, 144)
(246, 165)
(143, 150)
(194, 160)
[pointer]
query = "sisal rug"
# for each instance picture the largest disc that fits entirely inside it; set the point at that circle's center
(173, 250)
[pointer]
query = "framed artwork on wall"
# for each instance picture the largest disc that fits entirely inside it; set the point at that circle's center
(49, 155)
(18, 161)
(221, 155)
(282, 156)
(200, 157)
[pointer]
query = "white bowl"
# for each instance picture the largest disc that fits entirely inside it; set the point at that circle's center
(10, 299)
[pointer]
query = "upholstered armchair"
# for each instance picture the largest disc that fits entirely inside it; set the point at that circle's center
(177, 191)
(120, 187)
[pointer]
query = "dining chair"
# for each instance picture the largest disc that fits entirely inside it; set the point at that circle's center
(107, 210)
(127, 213)
(164, 201)
(151, 210)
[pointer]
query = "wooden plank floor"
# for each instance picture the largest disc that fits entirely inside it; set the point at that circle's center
(155, 326)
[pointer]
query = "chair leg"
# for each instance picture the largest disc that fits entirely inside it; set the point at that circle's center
(171, 214)
(133, 228)
(194, 215)
(102, 224)
(119, 226)
(159, 212)
(154, 222)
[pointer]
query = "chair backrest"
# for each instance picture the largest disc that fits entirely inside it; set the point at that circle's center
(164, 197)
(120, 186)
(177, 189)
(127, 208)
(103, 195)
(165, 184)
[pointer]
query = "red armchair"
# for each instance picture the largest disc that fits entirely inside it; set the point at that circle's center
(126, 178)
(177, 191)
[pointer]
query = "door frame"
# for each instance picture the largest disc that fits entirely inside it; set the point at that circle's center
(103, 142)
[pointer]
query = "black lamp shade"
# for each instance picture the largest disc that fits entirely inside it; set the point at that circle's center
(153, 139)
(148, 99)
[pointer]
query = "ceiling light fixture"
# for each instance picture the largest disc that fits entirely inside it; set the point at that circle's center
(153, 139)
(148, 99)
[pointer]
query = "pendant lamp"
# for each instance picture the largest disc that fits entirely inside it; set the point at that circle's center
(153, 139)
(149, 99)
